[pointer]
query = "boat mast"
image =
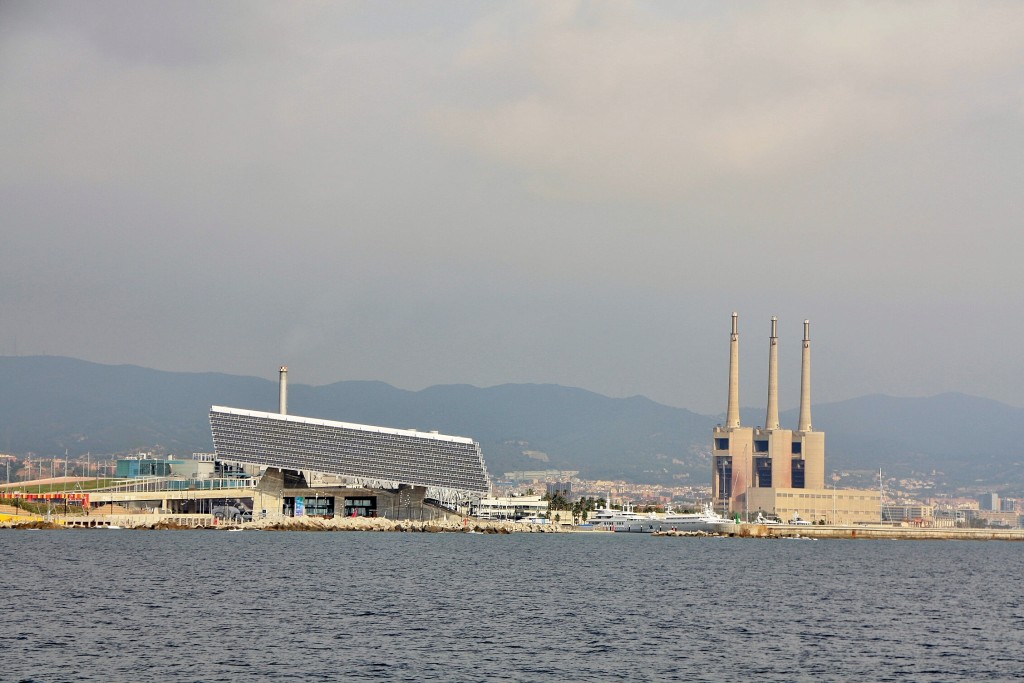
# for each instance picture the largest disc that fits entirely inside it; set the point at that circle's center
(746, 489)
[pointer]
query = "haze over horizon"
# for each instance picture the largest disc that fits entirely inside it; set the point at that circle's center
(572, 193)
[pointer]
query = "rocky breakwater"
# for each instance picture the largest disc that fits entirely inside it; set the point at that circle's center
(384, 524)
(676, 532)
(146, 523)
(30, 524)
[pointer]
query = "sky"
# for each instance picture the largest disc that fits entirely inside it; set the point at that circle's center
(577, 193)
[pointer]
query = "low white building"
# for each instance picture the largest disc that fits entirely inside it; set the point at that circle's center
(513, 507)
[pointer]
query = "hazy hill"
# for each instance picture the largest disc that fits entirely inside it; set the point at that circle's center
(48, 404)
(967, 437)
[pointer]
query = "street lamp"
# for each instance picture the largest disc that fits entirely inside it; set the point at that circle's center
(834, 501)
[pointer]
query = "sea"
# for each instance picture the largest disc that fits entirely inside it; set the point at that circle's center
(124, 605)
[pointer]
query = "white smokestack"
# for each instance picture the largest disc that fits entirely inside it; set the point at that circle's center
(283, 388)
(732, 413)
(805, 382)
(771, 420)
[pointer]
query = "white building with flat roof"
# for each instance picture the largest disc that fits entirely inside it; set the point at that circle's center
(511, 507)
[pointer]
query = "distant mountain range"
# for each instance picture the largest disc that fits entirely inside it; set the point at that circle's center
(49, 404)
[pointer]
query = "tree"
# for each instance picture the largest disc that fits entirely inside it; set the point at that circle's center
(559, 502)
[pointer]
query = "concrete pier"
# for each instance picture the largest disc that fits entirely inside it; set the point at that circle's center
(879, 532)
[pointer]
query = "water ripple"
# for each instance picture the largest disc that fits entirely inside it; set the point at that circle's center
(200, 606)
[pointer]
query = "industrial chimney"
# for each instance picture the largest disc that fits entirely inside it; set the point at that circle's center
(771, 420)
(283, 389)
(732, 413)
(805, 382)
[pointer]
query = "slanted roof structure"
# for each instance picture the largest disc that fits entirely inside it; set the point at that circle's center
(450, 467)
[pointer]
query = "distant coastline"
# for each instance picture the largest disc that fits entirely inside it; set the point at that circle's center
(470, 525)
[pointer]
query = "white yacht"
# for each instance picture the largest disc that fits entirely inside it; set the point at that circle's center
(707, 520)
(761, 519)
(608, 519)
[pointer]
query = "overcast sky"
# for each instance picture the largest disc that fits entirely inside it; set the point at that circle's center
(489, 192)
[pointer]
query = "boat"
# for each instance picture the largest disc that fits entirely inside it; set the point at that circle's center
(624, 520)
(534, 520)
(707, 520)
(761, 519)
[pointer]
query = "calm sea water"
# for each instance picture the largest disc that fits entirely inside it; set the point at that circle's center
(250, 606)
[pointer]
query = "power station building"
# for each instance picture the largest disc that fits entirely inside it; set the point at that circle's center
(777, 471)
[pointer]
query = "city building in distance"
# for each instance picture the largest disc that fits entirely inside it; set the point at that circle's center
(776, 471)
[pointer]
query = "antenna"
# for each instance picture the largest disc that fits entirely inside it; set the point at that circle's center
(283, 390)
(881, 498)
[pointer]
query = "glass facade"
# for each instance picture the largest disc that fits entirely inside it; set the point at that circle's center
(358, 451)
(144, 467)
(308, 506)
(361, 507)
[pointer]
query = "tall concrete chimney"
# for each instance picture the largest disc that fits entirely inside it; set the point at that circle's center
(771, 420)
(805, 382)
(283, 391)
(732, 413)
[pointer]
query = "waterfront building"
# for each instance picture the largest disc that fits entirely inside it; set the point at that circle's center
(949, 517)
(451, 468)
(383, 470)
(992, 518)
(144, 466)
(511, 507)
(989, 502)
(538, 476)
(560, 488)
(922, 515)
(274, 464)
(773, 470)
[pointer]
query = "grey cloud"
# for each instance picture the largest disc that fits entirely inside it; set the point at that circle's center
(543, 192)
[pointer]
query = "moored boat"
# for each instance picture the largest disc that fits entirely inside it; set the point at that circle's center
(707, 520)
(624, 520)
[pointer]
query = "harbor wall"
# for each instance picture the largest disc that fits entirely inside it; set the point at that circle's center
(878, 532)
(282, 523)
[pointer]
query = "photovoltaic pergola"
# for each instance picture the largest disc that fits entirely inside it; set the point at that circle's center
(450, 467)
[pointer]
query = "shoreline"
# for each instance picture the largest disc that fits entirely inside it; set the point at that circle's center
(866, 532)
(208, 523)
(469, 525)
(880, 533)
